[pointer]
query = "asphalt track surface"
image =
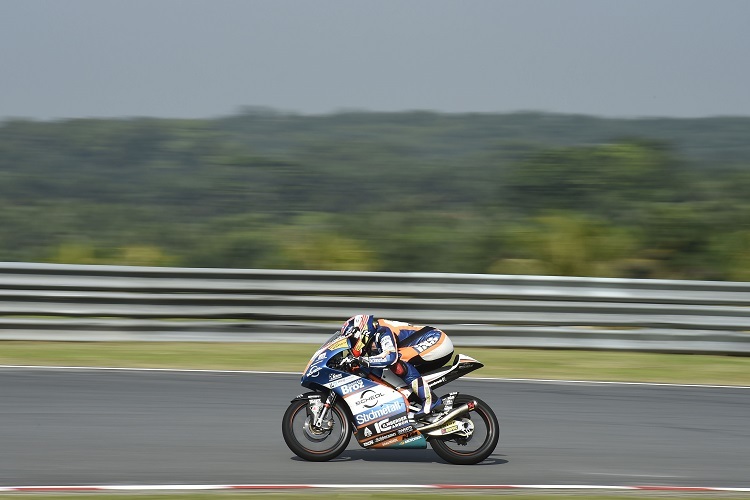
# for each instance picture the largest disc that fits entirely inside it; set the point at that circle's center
(75, 427)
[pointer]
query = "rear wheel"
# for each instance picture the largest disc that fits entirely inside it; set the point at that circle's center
(476, 447)
(310, 442)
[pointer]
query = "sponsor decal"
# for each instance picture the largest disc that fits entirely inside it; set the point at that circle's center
(354, 386)
(322, 357)
(448, 400)
(427, 342)
(387, 345)
(406, 429)
(367, 443)
(367, 432)
(382, 411)
(451, 427)
(438, 381)
(387, 424)
(334, 376)
(338, 344)
(347, 379)
(368, 398)
(380, 439)
(389, 442)
(314, 371)
(409, 440)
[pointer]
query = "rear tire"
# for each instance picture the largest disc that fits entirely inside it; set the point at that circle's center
(458, 451)
(312, 445)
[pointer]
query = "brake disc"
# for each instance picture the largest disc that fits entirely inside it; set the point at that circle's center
(314, 433)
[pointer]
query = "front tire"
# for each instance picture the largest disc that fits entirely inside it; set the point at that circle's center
(478, 446)
(315, 445)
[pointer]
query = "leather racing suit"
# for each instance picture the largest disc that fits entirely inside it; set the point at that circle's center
(402, 347)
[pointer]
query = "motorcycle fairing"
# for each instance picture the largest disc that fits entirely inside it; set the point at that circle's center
(379, 412)
(462, 364)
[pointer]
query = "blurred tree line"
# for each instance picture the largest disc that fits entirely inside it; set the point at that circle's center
(524, 193)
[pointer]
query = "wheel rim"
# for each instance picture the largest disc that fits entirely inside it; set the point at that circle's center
(483, 427)
(314, 440)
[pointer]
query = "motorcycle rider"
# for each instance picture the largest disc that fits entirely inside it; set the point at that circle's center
(401, 347)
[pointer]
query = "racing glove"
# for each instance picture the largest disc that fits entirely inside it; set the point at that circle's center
(363, 361)
(355, 363)
(350, 362)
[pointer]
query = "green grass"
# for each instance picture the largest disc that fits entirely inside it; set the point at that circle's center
(507, 363)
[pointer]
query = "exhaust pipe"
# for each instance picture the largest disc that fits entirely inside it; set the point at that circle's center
(464, 408)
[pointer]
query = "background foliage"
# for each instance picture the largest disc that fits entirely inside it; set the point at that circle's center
(526, 193)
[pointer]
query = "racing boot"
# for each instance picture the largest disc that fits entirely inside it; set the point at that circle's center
(411, 376)
(430, 406)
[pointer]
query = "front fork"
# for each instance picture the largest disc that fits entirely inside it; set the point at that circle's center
(321, 411)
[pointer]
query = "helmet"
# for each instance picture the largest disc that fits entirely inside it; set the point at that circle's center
(360, 328)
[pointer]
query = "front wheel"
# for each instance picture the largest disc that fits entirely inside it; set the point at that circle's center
(476, 447)
(311, 443)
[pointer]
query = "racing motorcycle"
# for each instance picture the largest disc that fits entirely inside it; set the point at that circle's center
(378, 409)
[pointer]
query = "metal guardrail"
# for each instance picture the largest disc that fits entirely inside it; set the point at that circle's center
(73, 302)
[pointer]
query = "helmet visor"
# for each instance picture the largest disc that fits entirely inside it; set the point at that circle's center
(359, 345)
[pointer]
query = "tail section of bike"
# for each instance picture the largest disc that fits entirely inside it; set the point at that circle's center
(462, 364)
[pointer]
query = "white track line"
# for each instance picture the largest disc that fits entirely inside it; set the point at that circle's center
(128, 369)
(203, 487)
(605, 382)
(262, 372)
